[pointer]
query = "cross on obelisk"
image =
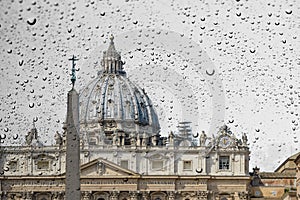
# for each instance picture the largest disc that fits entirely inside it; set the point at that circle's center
(73, 142)
(73, 75)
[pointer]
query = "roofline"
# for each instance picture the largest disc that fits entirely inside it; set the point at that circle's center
(288, 159)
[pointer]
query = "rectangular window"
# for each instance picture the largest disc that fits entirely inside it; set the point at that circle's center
(187, 165)
(124, 164)
(13, 165)
(157, 164)
(42, 165)
(92, 141)
(224, 162)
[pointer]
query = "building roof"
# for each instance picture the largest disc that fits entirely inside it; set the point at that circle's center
(276, 175)
(288, 164)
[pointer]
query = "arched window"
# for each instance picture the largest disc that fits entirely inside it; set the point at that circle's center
(223, 198)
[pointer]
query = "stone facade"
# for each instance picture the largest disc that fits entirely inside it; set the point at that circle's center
(122, 154)
(297, 162)
(280, 184)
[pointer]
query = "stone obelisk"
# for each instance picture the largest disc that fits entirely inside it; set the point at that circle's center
(73, 142)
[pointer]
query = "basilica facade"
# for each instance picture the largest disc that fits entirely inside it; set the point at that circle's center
(123, 154)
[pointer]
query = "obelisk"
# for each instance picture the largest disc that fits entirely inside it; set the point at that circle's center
(72, 142)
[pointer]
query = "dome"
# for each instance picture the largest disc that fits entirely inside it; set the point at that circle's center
(111, 103)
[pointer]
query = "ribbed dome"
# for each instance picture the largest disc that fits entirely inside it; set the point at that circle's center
(115, 97)
(112, 103)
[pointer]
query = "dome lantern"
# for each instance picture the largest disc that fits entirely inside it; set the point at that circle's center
(111, 62)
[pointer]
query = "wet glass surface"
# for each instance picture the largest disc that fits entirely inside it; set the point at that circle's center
(208, 62)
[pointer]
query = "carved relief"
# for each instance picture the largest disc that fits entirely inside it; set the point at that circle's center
(145, 195)
(203, 139)
(133, 195)
(171, 195)
(100, 168)
(28, 195)
(114, 195)
(202, 195)
(243, 195)
(124, 195)
(86, 195)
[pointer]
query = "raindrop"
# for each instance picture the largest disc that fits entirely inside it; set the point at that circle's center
(210, 73)
(21, 62)
(2, 136)
(35, 119)
(31, 105)
(252, 50)
(102, 13)
(15, 136)
(288, 11)
(31, 21)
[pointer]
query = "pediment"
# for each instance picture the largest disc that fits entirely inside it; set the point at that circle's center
(101, 167)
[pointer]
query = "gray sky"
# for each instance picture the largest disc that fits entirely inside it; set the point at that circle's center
(251, 45)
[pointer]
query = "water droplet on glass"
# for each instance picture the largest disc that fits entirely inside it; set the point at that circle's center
(35, 119)
(252, 50)
(31, 21)
(21, 62)
(15, 136)
(288, 11)
(210, 73)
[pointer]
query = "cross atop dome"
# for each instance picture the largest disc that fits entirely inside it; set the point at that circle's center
(111, 62)
(111, 38)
